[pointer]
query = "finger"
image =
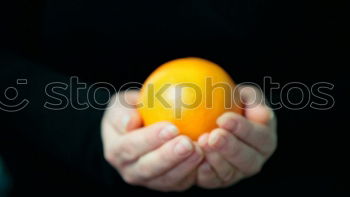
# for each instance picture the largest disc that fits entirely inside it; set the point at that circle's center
(132, 121)
(163, 159)
(180, 173)
(187, 182)
(182, 186)
(260, 114)
(246, 159)
(129, 147)
(256, 108)
(237, 177)
(123, 113)
(219, 164)
(259, 136)
(109, 138)
(207, 178)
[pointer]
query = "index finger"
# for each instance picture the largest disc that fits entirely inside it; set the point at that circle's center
(256, 108)
(130, 146)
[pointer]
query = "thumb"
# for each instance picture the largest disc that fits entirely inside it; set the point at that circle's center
(259, 114)
(123, 113)
(256, 108)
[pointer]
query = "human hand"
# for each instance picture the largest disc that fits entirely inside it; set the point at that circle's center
(240, 146)
(155, 156)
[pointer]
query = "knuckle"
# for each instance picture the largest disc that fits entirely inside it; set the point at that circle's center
(126, 153)
(151, 138)
(229, 174)
(254, 168)
(144, 172)
(108, 156)
(236, 149)
(167, 182)
(129, 156)
(130, 179)
(243, 128)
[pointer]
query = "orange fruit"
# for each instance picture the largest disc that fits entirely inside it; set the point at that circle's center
(190, 93)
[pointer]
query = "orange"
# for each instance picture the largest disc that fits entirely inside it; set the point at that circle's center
(190, 93)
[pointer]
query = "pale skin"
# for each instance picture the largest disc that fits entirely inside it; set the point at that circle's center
(159, 158)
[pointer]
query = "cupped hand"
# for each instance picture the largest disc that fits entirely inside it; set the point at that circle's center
(240, 146)
(155, 156)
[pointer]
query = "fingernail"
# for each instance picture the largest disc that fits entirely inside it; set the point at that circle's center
(202, 141)
(216, 141)
(183, 147)
(168, 132)
(125, 121)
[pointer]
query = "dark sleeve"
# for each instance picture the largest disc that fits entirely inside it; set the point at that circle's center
(68, 136)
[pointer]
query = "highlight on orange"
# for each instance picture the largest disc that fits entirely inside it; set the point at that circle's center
(190, 93)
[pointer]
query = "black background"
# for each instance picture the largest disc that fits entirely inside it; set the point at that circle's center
(123, 41)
